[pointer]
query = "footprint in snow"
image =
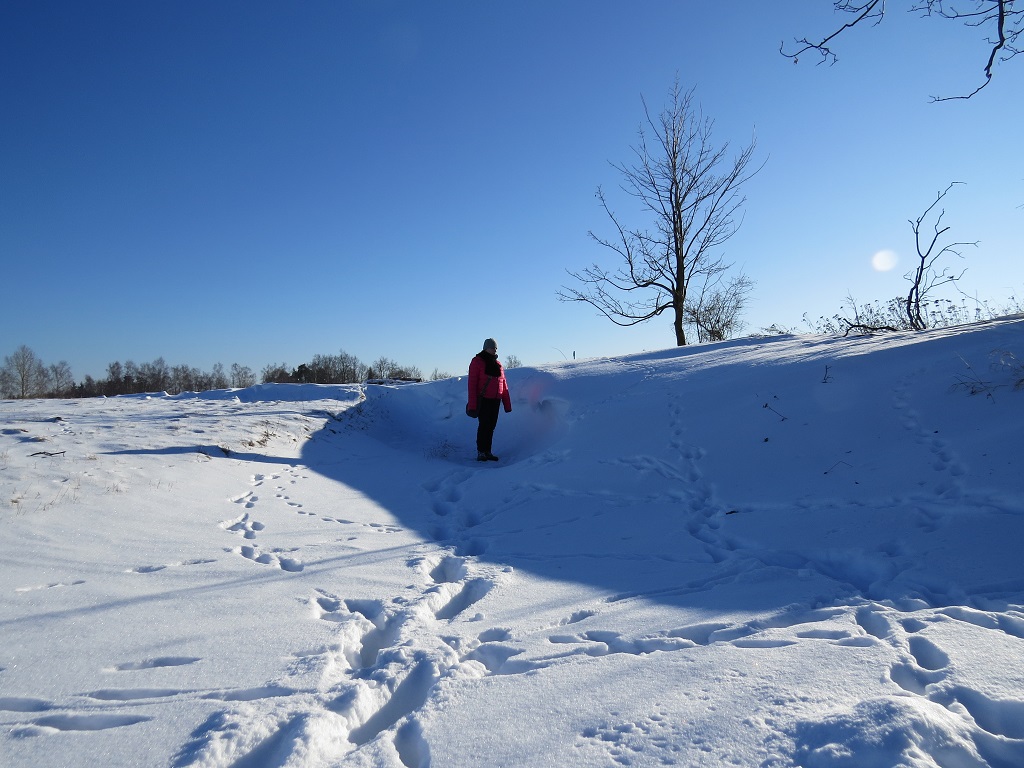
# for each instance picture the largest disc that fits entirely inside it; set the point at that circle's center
(248, 499)
(244, 525)
(273, 557)
(157, 663)
(156, 568)
(23, 704)
(99, 722)
(472, 592)
(53, 585)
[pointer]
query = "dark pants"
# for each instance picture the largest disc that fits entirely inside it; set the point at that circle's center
(487, 410)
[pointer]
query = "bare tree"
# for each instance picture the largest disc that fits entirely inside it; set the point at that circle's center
(382, 368)
(218, 378)
(926, 276)
(155, 376)
(408, 372)
(1001, 21)
(88, 387)
(61, 380)
(24, 374)
(342, 368)
(274, 373)
(183, 378)
(716, 312)
(386, 368)
(114, 383)
(132, 380)
(691, 191)
(351, 368)
(242, 376)
(8, 387)
(918, 309)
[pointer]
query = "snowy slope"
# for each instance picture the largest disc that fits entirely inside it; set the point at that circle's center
(788, 551)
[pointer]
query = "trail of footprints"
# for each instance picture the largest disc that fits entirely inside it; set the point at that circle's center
(943, 458)
(372, 679)
(377, 673)
(246, 526)
(52, 720)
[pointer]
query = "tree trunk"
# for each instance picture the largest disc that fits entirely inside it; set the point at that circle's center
(677, 324)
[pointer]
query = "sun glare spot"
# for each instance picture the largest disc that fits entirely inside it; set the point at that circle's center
(883, 261)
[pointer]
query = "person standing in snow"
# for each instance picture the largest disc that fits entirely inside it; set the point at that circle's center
(488, 390)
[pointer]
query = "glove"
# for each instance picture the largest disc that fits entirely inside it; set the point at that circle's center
(471, 412)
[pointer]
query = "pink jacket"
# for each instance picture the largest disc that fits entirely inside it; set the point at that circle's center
(480, 383)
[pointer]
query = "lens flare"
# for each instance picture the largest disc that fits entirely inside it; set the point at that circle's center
(883, 261)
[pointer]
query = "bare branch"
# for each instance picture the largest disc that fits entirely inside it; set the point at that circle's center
(987, 13)
(1003, 21)
(924, 278)
(689, 190)
(874, 9)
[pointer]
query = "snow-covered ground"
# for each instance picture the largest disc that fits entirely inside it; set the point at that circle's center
(789, 551)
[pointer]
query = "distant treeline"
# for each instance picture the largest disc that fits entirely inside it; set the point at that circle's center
(24, 375)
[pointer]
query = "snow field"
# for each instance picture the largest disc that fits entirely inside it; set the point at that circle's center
(779, 552)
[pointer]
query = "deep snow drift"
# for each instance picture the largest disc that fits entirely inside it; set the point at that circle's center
(790, 551)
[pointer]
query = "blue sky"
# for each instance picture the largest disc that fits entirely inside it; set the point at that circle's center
(260, 182)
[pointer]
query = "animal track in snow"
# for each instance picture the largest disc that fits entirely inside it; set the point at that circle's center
(654, 739)
(247, 499)
(577, 616)
(52, 585)
(944, 459)
(659, 467)
(273, 557)
(156, 568)
(787, 628)
(98, 722)
(374, 527)
(257, 480)
(133, 694)
(244, 525)
(157, 663)
(608, 642)
(250, 694)
(287, 500)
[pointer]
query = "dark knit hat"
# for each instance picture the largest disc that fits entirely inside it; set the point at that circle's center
(490, 345)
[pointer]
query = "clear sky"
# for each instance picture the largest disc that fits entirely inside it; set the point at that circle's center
(259, 182)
